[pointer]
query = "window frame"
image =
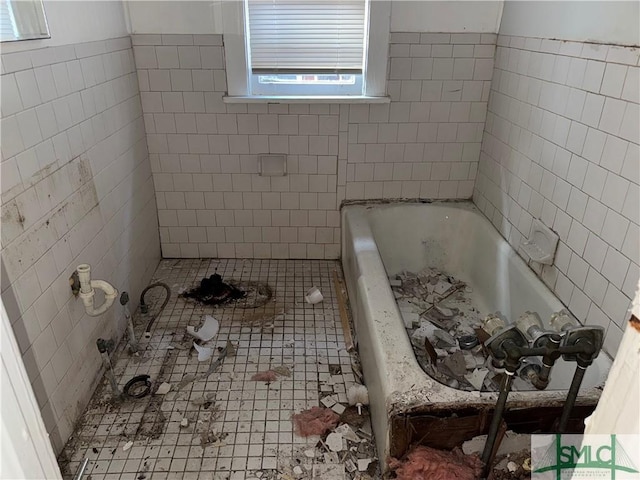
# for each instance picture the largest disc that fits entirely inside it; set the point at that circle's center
(239, 72)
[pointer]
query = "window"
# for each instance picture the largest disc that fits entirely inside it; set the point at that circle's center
(22, 20)
(308, 48)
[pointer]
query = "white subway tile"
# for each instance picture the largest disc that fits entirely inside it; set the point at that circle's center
(615, 191)
(613, 80)
(612, 115)
(615, 304)
(615, 267)
(631, 90)
(614, 229)
(630, 128)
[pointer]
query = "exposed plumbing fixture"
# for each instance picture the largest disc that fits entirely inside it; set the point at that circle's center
(504, 347)
(87, 290)
(562, 321)
(124, 301)
(510, 345)
(105, 347)
(590, 339)
(144, 308)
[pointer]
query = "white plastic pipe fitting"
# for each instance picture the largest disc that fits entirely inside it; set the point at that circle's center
(87, 291)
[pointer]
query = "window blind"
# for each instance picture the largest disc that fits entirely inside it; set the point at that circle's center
(6, 23)
(306, 35)
(22, 20)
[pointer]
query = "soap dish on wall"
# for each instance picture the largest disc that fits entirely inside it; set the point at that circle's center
(541, 244)
(272, 165)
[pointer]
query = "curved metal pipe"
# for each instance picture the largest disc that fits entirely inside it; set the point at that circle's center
(144, 307)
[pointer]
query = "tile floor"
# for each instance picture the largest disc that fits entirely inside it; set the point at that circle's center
(246, 427)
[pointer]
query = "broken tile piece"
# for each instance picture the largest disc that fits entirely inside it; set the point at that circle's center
(328, 401)
(204, 353)
(363, 464)
(338, 408)
(335, 442)
(331, 457)
(350, 466)
(163, 389)
(445, 338)
(410, 319)
(477, 377)
(127, 446)
(456, 363)
(441, 287)
(347, 433)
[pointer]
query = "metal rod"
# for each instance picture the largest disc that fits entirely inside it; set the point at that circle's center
(133, 344)
(497, 418)
(79, 474)
(109, 372)
(571, 397)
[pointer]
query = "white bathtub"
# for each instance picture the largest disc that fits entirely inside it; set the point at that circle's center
(382, 240)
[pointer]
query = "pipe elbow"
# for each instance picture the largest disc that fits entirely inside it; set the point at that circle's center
(109, 291)
(88, 298)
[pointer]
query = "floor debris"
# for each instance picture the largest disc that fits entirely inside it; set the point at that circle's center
(127, 446)
(425, 463)
(315, 421)
(267, 376)
(330, 471)
(184, 381)
(338, 408)
(207, 331)
(201, 407)
(313, 296)
(335, 442)
(204, 353)
(358, 396)
(163, 388)
(363, 464)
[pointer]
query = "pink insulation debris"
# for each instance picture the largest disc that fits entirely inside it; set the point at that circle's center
(424, 463)
(268, 376)
(315, 421)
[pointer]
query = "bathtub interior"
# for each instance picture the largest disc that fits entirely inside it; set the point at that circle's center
(456, 239)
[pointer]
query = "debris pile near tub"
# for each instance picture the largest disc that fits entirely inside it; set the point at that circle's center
(444, 326)
(513, 458)
(426, 463)
(344, 449)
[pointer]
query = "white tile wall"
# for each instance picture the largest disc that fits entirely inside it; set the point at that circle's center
(561, 144)
(204, 153)
(76, 188)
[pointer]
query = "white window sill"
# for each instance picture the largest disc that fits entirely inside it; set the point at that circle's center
(304, 99)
